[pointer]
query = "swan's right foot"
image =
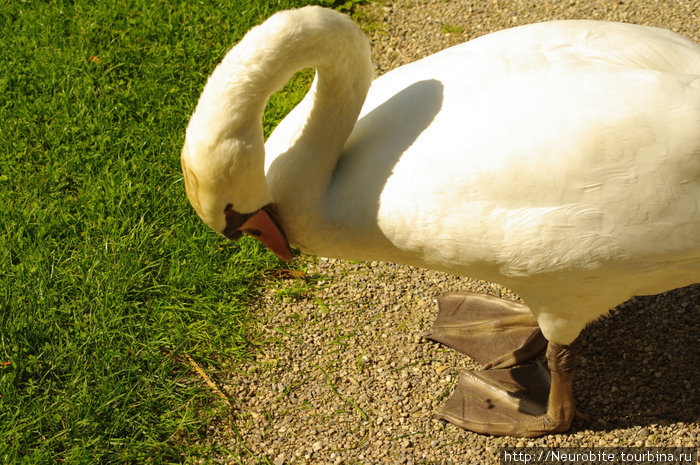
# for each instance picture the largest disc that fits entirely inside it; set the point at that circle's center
(495, 332)
(524, 401)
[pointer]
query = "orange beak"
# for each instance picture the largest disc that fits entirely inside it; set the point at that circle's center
(262, 227)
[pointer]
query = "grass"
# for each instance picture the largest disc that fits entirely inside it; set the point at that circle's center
(108, 279)
(452, 29)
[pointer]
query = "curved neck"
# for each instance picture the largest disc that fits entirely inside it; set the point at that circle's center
(306, 145)
(311, 137)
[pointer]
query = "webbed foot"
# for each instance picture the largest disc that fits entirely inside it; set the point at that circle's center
(495, 332)
(523, 401)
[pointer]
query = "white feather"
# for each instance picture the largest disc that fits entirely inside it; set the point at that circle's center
(561, 159)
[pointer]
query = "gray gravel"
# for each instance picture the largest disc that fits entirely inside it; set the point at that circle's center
(343, 377)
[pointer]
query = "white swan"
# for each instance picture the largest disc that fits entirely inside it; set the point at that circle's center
(561, 159)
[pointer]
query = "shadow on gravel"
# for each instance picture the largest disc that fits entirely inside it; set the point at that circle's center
(640, 365)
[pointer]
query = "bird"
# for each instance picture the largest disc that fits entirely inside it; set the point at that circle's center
(560, 159)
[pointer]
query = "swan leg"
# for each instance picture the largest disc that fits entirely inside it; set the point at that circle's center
(495, 332)
(523, 401)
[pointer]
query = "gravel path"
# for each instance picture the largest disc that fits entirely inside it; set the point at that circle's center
(343, 376)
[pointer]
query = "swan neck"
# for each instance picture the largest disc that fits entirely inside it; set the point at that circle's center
(266, 58)
(302, 152)
(227, 123)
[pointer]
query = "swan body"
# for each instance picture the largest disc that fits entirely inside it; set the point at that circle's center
(561, 159)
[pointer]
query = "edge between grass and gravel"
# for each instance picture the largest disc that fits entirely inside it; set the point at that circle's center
(117, 303)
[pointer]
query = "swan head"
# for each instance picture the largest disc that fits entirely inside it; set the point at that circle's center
(223, 158)
(225, 184)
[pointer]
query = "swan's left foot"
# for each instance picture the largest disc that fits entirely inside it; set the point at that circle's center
(495, 332)
(523, 401)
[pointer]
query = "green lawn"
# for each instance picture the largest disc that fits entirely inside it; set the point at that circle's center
(107, 277)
